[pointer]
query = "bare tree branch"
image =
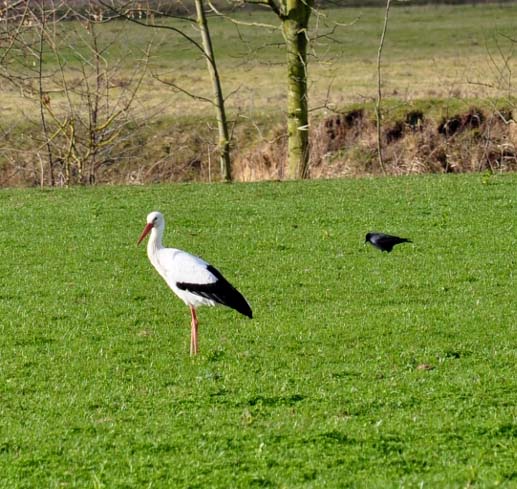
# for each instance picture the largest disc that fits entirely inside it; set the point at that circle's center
(154, 26)
(238, 22)
(182, 90)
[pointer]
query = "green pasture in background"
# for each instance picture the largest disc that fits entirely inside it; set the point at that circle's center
(430, 52)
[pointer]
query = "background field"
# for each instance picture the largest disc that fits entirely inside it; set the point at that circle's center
(430, 52)
(360, 369)
(440, 60)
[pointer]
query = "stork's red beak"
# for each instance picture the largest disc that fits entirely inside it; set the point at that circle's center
(145, 232)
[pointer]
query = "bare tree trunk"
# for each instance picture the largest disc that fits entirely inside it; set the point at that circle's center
(43, 97)
(294, 25)
(94, 104)
(222, 123)
(378, 114)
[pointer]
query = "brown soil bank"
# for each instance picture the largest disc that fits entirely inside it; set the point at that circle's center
(345, 144)
(415, 139)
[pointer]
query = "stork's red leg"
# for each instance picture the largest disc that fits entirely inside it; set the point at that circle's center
(193, 332)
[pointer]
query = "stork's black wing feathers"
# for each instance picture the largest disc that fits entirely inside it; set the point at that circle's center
(220, 291)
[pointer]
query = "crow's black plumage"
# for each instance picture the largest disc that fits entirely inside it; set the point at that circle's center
(384, 242)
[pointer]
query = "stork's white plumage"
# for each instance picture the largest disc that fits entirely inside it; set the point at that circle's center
(193, 280)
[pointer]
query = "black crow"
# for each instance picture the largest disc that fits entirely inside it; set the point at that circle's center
(384, 242)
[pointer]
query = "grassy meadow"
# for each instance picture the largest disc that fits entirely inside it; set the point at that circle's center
(359, 369)
(430, 52)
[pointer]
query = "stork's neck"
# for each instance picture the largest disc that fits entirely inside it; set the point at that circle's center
(155, 242)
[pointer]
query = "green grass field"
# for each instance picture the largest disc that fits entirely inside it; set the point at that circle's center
(360, 369)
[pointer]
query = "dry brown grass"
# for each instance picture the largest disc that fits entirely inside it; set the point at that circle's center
(261, 88)
(474, 140)
(342, 144)
(345, 145)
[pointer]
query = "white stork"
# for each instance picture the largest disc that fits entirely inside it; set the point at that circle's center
(192, 279)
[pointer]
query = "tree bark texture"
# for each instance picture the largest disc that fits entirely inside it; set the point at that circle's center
(222, 123)
(295, 26)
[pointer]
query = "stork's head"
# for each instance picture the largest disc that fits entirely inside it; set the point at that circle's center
(154, 220)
